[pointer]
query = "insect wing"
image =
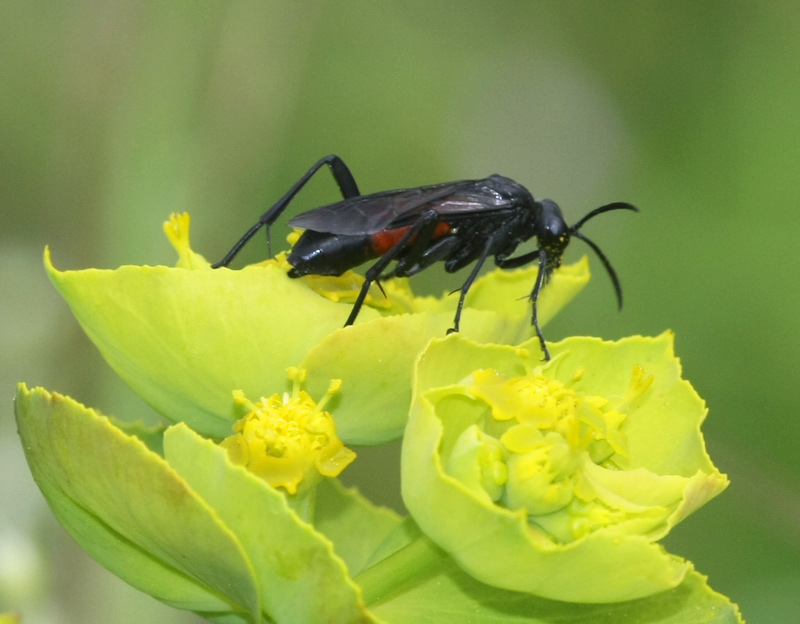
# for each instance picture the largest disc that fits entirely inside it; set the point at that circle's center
(367, 214)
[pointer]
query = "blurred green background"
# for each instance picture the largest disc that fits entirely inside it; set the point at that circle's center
(114, 114)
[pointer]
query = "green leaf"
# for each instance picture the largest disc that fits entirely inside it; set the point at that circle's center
(129, 510)
(449, 595)
(300, 577)
(444, 593)
(355, 526)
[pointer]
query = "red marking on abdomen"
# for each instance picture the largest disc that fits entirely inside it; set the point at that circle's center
(383, 241)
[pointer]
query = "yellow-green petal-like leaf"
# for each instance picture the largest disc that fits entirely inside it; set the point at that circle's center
(665, 436)
(128, 509)
(509, 291)
(375, 360)
(185, 339)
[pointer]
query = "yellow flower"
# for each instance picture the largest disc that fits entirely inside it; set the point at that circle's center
(288, 439)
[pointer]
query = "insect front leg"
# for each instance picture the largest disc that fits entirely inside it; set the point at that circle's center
(423, 229)
(514, 263)
(541, 276)
(541, 279)
(344, 179)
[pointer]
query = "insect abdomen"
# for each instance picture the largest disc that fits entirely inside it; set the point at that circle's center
(322, 253)
(384, 240)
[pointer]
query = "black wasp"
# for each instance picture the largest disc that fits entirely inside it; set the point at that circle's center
(457, 223)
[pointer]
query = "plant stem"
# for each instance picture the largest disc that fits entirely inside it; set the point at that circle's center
(390, 573)
(305, 504)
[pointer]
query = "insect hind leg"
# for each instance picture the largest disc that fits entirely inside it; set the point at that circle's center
(344, 180)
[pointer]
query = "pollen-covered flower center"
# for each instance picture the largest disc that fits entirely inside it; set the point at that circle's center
(286, 439)
(543, 443)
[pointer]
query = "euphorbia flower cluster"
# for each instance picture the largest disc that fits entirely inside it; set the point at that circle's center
(560, 477)
(535, 489)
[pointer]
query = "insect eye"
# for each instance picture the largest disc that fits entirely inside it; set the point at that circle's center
(553, 231)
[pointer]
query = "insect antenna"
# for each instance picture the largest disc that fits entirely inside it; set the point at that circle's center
(574, 232)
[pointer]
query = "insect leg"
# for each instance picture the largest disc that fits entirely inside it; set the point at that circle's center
(537, 288)
(344, 179)
(410, 264)
(515, 263)
(423, 228)
(468, 283)
(541, 279)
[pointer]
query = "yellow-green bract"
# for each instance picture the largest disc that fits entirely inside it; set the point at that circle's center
(185, 337)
